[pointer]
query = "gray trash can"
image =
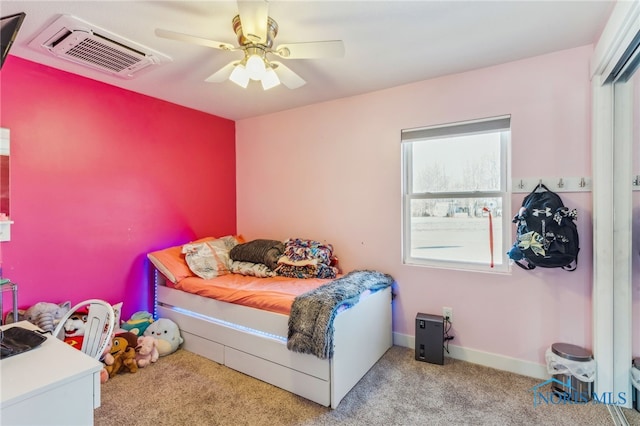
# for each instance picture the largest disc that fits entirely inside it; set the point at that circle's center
(636, 391)
(572, 387)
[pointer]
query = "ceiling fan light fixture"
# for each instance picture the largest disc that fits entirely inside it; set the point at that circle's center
(240, 76)
(256, 41)
(255, 67)
(270, 79)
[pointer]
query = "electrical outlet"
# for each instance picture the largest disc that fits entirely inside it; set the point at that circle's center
(447, 313)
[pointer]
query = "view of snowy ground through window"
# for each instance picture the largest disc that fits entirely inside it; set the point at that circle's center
(453, 238)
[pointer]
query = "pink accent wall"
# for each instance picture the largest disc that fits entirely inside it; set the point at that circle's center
(99, 177)
(334, 174)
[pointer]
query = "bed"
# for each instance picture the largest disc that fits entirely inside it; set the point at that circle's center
(259, 339)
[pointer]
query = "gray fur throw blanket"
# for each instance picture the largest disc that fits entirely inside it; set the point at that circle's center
(312, 313)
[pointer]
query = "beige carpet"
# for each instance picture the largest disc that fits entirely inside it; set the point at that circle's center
(186, 389)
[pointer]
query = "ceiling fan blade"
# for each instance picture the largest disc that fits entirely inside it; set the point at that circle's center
(286, 76)
(222, 74)
(253, 17)
(313, 49)
(193, 39)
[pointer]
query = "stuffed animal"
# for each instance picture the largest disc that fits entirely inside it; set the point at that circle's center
(74, 328)
(138, 323)
(45, 315)
(167, 335)
(107, 359)
(146, 351)
(104, 375)
(76, 323)
(124, 354)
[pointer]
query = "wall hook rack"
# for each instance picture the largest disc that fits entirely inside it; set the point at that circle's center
(556, 184)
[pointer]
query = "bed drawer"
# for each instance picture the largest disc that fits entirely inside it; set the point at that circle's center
(203, 347)
(192, 342)
(312, 388)
(251, 342)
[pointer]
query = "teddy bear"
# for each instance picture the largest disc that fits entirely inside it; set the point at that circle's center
(167, 334)
(124, 354)
(45, 315)
(146, 351)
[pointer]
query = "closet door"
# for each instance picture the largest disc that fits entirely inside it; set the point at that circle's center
(635, 217)
(627, 212)
(625, 113)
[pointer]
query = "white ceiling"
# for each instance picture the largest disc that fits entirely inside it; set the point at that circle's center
(387, 43)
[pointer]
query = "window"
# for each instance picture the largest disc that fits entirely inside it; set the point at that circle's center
(456, 208)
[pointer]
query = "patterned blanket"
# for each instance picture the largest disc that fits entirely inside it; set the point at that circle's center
(312, 313)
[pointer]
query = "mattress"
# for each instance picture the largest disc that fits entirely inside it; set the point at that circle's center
(274, 294)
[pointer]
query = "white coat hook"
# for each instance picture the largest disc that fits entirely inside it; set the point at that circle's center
(559, 184)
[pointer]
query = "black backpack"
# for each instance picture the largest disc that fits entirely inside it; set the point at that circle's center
(547, 235)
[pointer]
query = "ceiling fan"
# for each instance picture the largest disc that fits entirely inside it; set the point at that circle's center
(256, 32)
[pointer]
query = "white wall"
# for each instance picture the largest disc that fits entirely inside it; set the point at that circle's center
(332, 172)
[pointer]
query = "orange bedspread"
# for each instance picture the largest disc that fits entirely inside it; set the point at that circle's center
(274, 294)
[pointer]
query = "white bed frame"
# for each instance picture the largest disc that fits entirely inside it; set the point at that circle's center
(253, 341)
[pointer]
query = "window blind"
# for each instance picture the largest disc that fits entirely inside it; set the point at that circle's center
(456, 129)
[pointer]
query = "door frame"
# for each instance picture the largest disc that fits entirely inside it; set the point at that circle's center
(612, 214)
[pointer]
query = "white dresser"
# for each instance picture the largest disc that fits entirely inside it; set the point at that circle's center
(53, 384)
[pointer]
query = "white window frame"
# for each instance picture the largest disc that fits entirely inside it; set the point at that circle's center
(500, 124)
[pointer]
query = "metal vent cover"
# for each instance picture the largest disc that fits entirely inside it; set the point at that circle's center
(77, 41)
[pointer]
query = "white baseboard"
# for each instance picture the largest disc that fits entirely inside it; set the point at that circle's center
(499, 362)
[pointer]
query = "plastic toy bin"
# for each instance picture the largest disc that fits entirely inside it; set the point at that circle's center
(573, 371)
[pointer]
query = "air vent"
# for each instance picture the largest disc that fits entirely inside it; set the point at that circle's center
(77, 41)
